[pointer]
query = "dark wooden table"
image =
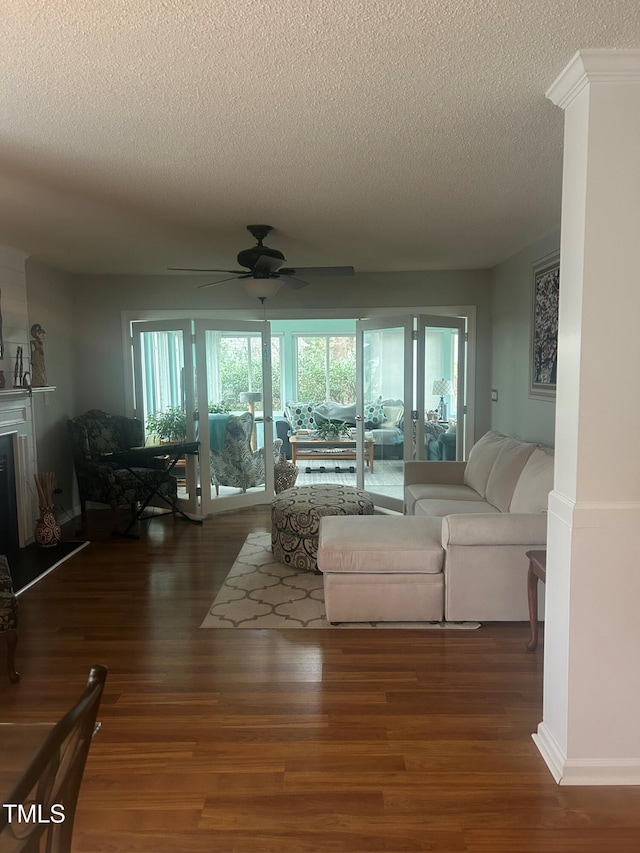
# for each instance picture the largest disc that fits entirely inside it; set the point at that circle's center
(537, 571)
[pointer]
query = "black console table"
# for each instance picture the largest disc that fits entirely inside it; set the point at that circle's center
(140, 457)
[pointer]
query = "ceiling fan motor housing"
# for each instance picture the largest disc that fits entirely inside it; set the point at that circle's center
(249, 257)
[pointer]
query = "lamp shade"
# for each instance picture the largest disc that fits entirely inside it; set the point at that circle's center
(442, 387)
(262, 288)
(250, 396)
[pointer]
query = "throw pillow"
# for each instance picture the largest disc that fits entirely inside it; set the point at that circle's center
(392, 416)
(374, 414)
(300, 415)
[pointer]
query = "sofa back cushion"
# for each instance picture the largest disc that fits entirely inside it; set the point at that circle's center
(506, 471)
(531, 493)
(329, 411)
(300, 415)
(481, 460)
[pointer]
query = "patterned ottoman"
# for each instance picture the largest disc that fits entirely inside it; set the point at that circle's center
(8, 617)
(295, 519)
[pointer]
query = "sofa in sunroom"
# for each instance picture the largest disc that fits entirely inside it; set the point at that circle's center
(384, 419)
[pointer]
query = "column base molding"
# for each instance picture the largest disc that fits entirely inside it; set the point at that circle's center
(584, 771)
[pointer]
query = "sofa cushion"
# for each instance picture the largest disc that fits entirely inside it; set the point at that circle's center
(300, 415)
(380, 544)
(528, 529)
(531, 493)
(440, 508)
(482, 457)
(506, 470)
(373, 414)
(437, 491)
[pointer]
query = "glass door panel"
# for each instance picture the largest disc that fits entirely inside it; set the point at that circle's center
(384, 367)
(440, 388)
(235, 424)
(164, 394)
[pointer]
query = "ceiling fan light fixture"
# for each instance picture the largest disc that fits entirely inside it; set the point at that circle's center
(262, 288)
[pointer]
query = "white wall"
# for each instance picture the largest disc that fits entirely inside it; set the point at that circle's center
(516, 413)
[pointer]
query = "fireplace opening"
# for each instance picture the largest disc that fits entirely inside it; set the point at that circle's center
(9, 537)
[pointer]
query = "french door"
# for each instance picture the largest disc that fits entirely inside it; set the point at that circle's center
(410, 397)
(214, 376)
(163, 370)
(440, 387)
(233, 373)
(384, 370)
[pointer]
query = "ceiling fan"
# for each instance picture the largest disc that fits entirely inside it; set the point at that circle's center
(265, 263)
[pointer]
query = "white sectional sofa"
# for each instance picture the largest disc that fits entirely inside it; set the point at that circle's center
(478, 520)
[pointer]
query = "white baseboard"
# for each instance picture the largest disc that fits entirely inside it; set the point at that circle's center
(550, 751)
(585, 771)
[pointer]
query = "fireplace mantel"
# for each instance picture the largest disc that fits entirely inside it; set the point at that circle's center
(16, 419)
(25, 392)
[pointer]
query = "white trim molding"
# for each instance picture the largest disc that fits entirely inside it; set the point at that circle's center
(585, 771)
(593, 66)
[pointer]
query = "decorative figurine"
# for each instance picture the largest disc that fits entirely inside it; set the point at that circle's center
(38, 370)
(17, 371)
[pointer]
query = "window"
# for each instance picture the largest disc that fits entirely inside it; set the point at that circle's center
(235, 365)
(163, 366)
(325, 368)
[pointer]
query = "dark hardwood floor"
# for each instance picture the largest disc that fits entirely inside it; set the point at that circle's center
(290, 742)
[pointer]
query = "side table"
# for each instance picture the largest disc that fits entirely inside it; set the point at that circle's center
(537, 571)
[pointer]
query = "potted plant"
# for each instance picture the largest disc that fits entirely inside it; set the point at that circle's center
(332, 430)
(168, 426)
(220, 408)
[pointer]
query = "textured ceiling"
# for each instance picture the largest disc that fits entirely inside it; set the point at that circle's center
(405, 135)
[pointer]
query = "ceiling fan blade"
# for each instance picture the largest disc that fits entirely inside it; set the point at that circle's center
(222, 281)
(267, 264)
(292, 283)
(319, 271)
(194, 269)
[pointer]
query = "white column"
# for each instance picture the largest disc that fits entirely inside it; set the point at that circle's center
(590, 732)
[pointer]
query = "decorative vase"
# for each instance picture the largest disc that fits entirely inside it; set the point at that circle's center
(47, 532)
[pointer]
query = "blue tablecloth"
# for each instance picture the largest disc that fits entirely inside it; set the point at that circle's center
(217, 430)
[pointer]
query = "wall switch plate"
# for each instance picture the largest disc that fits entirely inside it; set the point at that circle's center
(494, 395)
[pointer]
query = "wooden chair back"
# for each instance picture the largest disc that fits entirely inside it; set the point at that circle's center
(37, 815)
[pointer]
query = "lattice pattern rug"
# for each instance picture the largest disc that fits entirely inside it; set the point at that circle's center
(261, 593)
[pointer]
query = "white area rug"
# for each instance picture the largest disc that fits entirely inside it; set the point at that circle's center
(261, 593)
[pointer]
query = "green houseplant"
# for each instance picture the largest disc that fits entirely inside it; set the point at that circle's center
(332, 430)
(170, 425)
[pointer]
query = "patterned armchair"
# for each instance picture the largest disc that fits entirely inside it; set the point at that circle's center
(96, 433)
(236, 464)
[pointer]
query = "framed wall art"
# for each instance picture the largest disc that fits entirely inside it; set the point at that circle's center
(544, 327)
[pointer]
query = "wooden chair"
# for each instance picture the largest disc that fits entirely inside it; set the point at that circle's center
(49, 786)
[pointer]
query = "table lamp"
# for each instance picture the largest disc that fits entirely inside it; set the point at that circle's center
(443, 387)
